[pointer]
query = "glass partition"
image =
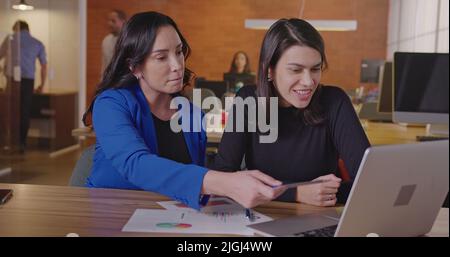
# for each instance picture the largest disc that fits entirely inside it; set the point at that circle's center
(39, 82)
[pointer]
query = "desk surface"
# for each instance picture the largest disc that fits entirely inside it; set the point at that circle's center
(378, 133)
(386, 133)
(83, 132)
(56, 211)
(58, 91)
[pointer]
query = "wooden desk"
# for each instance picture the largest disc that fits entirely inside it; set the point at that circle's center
(83, 132)
(383, 133)
(56, 211)
(379, 133)
(88, 132)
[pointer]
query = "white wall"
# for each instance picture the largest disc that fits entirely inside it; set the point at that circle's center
(64, 34)
(418, 26)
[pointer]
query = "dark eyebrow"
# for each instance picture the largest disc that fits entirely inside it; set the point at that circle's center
(302, 66)
(166, 50)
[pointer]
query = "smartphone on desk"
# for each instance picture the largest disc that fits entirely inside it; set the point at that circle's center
(5, 194)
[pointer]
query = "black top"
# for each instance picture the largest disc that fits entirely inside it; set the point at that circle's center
(301, 152)
(171, 145)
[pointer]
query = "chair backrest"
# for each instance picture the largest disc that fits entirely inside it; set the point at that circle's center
(204, 93)
(82, 168)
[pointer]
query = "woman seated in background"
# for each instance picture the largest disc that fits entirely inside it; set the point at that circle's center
(240, 73)
(317, 124)
(136, 147)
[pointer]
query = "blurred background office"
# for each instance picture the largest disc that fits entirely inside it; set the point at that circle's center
(361, 35)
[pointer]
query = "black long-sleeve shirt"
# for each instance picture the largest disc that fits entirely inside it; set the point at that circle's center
(301, 152)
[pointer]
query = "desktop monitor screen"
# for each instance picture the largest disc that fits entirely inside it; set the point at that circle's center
(385, 87)
(237, 80)
(421, 88)
(218, 87)
(370, 69)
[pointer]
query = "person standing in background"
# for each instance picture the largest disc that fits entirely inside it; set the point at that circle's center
(240, 73)
(116, 20)
(240, 63)
(24, 49)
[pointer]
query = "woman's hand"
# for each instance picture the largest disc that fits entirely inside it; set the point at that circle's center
(321, 194)
(248, 188)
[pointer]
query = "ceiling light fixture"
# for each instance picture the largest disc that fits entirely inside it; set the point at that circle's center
(321, 25)
(23, 6)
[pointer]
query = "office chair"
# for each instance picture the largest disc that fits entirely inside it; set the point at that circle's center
(82, 168)
(209, 93)
(345, 175)
(204, 94)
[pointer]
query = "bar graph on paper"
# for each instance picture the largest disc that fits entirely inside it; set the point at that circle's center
(226, 216)
(176, 221)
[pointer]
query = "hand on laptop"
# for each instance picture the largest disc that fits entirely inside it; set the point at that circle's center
(321, 194)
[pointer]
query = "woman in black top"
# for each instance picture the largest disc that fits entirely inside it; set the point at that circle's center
(240, 63)
(317, 124)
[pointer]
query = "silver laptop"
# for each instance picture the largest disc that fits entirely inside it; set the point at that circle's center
(398, 191)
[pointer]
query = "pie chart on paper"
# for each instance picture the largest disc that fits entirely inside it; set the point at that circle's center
(173, 225)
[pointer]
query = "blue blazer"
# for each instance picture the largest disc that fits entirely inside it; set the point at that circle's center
(126, 150)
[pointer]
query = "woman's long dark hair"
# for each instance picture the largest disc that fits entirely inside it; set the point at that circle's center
(283, 34)
(133, 46)
(233, 67)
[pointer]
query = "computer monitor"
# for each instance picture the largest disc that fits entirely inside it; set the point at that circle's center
(218, 87)
(370, 69)
(421, 85)
(235, 81)
(385, 89)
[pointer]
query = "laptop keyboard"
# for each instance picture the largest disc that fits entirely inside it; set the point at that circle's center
(321, 232)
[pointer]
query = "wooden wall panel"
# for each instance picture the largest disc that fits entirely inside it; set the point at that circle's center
(215, 30)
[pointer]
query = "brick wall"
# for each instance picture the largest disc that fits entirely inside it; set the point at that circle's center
(215, 30)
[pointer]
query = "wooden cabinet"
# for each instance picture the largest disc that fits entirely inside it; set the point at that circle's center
(10, 118)
(53, 116)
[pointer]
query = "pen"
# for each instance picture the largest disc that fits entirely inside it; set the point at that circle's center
(204, 200)
(249, 215)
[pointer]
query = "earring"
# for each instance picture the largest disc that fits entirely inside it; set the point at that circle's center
(137, 76)
(269, 79)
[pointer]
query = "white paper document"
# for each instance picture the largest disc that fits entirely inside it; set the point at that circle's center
(210, 221)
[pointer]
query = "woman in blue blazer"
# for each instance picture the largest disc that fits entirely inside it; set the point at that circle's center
(136, 147)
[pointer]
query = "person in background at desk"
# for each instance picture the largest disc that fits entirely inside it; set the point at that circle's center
(24, 49)
(135, 145)
(240, 73)
(317, 124)
(116, 20)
